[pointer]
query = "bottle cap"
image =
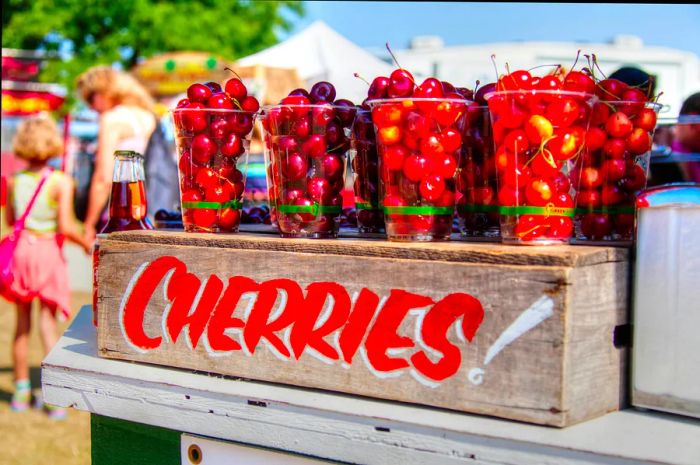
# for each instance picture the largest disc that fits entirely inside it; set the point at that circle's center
(127, 154)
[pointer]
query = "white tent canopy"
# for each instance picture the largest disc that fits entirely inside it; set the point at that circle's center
(318, 53)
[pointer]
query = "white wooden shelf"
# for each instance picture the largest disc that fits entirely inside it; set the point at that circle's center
(342, 427)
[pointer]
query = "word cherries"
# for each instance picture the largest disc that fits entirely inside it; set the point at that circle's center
(616, 162)
(419, 131)
(213, 128)
(539, 127)
(307, 137)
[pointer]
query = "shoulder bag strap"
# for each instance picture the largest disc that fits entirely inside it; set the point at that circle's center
(19, 224)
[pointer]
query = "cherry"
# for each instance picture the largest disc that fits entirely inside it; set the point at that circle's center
(432, 187)
(588, 198)
(314, 146)
(567, 144)
(591, 178)
(445, 166)
(543, 164)
(516, 177)
(305, 202)
(394, 156)
(346, 111)
(600, 114)
(203, 148)
(389, 135)
(517, 142)
(334, 134)
(431, 146)
(613, 170)
(301, 92)
(416, 166)
(480, 95)
(563, 200)
(220, 101)
(530, 227)
(510, 197)
(614, 148)
(241, 123)
(232, 146)
(548, 83)
(610, 194)
(250, 104)
(218, 128)
(322, 114)
(385, 115)
(229, 219)
(186, 165)
(204, 217)
(294, 166)
(416, 124)
(379, 88)
(183, 103)
(221, 193)
(206, 178)
(447, 112)
(596, 225)
(235, 88)
(595, 138)
(610, 89)
(618, 125)
(635, 178)
(561, 182)
(638, 142)
(331, 167)
(538, 129)
(292, 195)
(193, 120)
(401, 84)
(646, 119)
(579, 82)
(214, 86)
(322, 91)
(198, 93)
(301, 127)
(517, 80)
(633, 101)
(563, 112)
(539, 192)
(319, 190)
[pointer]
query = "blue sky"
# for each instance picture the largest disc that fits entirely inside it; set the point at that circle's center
(371, 24)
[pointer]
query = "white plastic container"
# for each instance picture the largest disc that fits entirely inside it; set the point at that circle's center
(666, 318)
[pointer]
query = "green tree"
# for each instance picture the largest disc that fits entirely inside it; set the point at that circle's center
(127, 31)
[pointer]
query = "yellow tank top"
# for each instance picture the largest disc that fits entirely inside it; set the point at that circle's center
(44, 214)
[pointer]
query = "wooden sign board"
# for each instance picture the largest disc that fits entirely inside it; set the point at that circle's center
(525, 333)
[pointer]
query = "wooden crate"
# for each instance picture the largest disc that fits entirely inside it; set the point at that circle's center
(525, 333)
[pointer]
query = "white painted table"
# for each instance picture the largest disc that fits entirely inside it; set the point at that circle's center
(342, 427)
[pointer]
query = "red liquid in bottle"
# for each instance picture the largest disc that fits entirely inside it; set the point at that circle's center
(127, 208)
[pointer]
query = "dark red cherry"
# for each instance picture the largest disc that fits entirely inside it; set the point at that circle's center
(198, 93)
(345, 110)
(379, 88)
(294, 167)
(331, 166)
(401, 84)
(319, 190)
(299, 92)
(219, 127)
(250, 104)
(203, 148)
(236, 89)
(447, 87)
(214, 86)
(241, 123)
(232, 145)
(314, 146)
(322, 91)
(480, 94)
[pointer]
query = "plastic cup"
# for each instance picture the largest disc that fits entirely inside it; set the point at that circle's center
(306, 150)
(365, 168)
(615, 166)
(538, 137)
(212, 147)
(477, 208)
(419, 141)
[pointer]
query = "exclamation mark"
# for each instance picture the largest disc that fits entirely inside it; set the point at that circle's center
(535, 314)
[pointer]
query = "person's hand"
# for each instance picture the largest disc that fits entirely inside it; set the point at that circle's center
(90, 233)
(87, 246)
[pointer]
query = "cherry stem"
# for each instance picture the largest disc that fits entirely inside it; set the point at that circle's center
(361, 78)
(393, 56)
(595, 63)
(543, 66)
(507, 68)
(495, 67)
(656, 100)
(235, 73)
(476, 85)
(578, 54)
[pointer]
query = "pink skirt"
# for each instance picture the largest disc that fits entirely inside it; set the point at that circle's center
(40, 271)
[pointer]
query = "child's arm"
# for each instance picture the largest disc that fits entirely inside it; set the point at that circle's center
(66, 220)
(9, 206)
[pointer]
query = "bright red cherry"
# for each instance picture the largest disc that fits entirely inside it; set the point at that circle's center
(431, 146)
(315, 146)
(563, 112)
(635, 178)
(646, 119)
(561, 182)
(560, 227)
(432, 187)
(401, 84)
(539, 192)
(319, 190)
(193, 120)
(204, 217)
(618, 125)
(543, 164)
(221, 193)
(588, 198)
(445, 166)
(389, 135)
(229, 219)
(218, 127)
(577, 81)
(614, 148)
(610, 89)
(394, 157)
(638, 142)
(416, 166)
(203, 148)
(591, 178)
(235, 88)
(509, 197)
(232, 146)
(220, 101)
(516, 177)
(250, 104)
(331, 167)
(294, 166)
(517, 142)
(387, 114)
(198, 93)
(595, 138)
(206, 178)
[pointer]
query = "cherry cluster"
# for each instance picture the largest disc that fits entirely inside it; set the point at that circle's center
(539, 128)
(419, 132)
(307, 137)
(213, 128)
(616, 161)
(477, 208)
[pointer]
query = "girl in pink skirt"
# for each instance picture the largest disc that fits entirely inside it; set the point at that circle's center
(38, 267)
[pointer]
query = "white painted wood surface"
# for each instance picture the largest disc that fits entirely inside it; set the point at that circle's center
(343, 427)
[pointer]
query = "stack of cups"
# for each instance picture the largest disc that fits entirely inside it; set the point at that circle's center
(538, 138)
(419, 141)
(212, 146)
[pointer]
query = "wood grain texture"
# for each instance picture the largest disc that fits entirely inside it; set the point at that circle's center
(562, 371)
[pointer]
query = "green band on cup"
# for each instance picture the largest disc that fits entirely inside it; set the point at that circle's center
(610, 210)
(314, 209)
(548, 210)
(366, 206)
(420, 210)
(473, 208)
(213, 205)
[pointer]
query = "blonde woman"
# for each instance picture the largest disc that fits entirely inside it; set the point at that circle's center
(126, 122)
(38, 266)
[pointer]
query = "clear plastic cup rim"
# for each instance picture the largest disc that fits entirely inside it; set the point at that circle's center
(212, 110)
(381, 101)
(653, 105)
(310, 106)
(563, 93)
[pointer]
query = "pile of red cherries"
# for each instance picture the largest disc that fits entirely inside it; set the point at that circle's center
(615, 164)
(307, 137)
(419, 131)
(213, 127)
